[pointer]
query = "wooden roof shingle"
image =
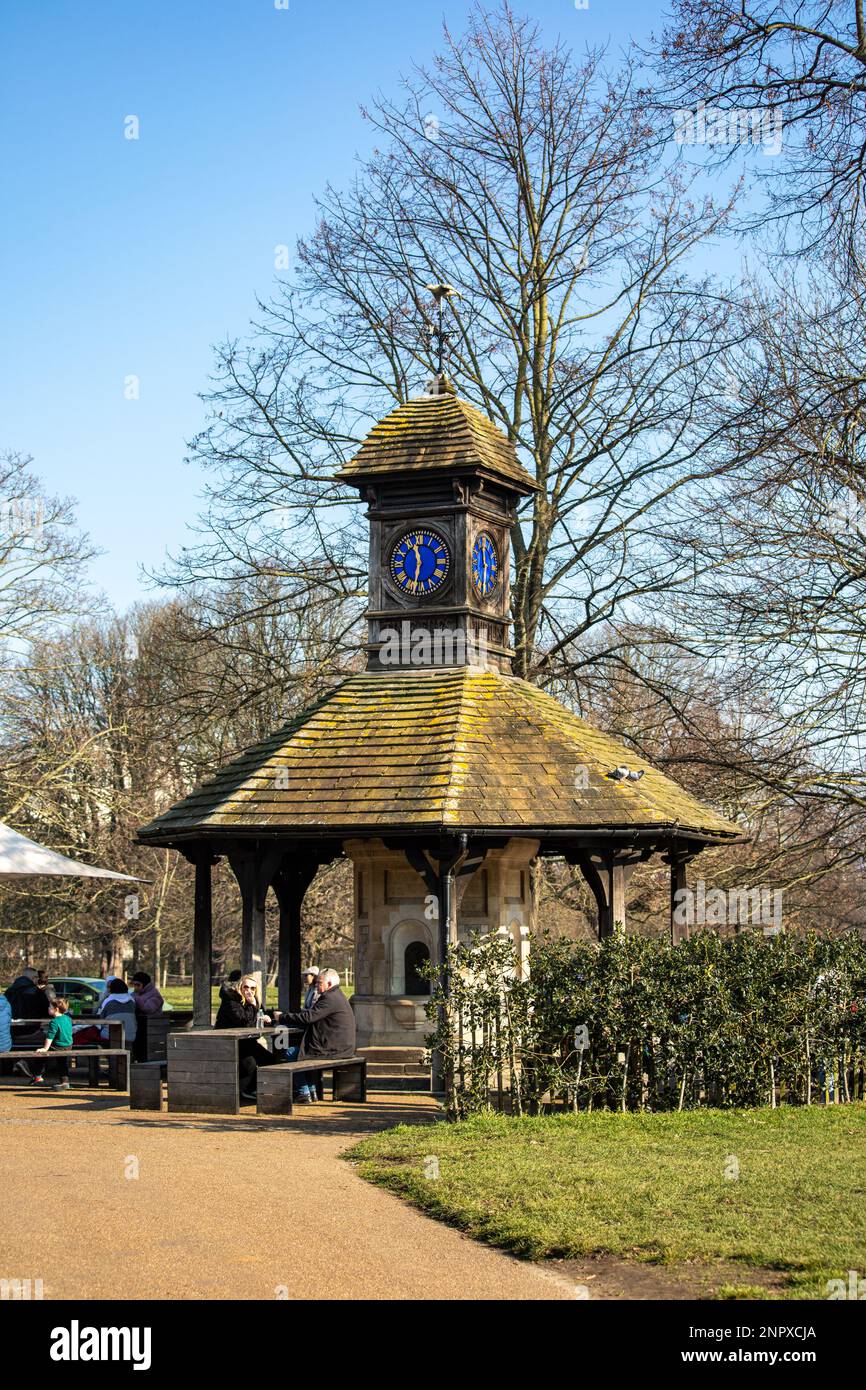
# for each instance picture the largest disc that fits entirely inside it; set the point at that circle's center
(436, 433)
(447, 749)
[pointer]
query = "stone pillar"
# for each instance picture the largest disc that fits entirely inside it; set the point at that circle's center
(510, 888)
(395, 908)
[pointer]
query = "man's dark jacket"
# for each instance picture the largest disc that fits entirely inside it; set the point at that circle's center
(26, 1000)
(329, 1027)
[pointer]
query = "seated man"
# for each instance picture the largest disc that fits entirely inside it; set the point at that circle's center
(27, 1000)
(329, 1030)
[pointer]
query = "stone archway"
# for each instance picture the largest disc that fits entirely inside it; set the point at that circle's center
(407, 933)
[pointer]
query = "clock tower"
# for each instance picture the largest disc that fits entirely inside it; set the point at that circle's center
(442, 485)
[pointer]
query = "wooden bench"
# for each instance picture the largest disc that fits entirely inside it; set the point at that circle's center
(275, 1084)
(118, 1061)
(93, 1050)
(145, 1085)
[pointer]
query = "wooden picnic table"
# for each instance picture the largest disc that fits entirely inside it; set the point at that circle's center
(116, 1030)
(113, 1050)
(203, 1067)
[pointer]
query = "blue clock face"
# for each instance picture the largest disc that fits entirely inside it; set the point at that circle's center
(420, 562)
(485, 565)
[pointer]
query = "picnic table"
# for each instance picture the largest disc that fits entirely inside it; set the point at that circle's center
(203, 1067)
(116, 1031)
(113, 1050)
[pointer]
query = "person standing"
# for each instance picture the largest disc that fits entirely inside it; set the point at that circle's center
(5, 1025)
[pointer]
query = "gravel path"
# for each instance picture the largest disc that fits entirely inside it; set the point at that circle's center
(224, 1208)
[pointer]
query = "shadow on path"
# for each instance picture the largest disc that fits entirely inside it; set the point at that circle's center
(325, 1121)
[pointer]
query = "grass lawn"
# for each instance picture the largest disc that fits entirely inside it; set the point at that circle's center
(648, 1187)
(180, 996)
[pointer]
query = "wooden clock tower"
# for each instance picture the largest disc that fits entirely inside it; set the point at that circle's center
(440, 774)
(442, 486)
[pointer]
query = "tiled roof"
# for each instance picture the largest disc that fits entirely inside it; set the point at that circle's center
(451, 749)
(441, 433)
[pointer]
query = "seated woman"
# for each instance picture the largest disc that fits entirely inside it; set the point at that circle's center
(119, 1005)
(239, 1008)
(5, 1024)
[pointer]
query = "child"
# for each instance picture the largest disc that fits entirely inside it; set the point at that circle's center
(59, 1037)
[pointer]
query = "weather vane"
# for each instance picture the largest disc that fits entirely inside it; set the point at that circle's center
(438, 333)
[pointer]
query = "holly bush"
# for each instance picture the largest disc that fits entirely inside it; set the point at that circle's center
(638, 1024)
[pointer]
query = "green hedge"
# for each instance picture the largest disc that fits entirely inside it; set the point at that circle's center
(637, 1024)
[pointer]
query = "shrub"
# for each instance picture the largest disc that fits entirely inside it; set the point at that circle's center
(637, 1024)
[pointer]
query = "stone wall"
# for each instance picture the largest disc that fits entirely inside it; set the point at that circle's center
(393, 911)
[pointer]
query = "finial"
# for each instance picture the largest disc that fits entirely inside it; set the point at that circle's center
(440, 293)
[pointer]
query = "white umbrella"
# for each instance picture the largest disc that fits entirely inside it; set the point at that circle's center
(20, 857)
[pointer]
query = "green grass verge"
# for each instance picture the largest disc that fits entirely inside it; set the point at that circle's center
(180, 996)
(647, 1187)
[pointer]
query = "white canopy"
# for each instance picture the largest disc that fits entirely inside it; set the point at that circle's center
(20, 857)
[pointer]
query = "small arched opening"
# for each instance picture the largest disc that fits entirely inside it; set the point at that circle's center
(416, 957)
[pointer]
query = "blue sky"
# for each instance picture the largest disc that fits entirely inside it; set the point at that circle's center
(123, 258)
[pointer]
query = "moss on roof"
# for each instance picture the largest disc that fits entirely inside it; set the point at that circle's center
(451, 749)
(441, 433)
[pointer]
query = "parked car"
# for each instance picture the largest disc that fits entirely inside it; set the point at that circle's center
(83, 994)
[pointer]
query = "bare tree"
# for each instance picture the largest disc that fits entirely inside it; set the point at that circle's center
(805, 60)
(783, 630)
(526, 181)
(42, 554)
(100, 730)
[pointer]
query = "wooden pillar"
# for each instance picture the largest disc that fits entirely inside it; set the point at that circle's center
(438, 868)
(678, 860)
(254, 870)
(202, 942)
(616, 896)
(254, 959)
(291, 882)
(608, 874)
